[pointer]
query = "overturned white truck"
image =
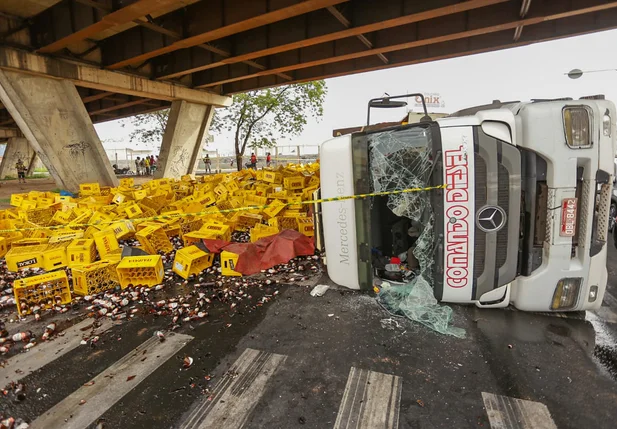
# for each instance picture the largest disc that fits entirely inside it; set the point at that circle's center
(522, 218)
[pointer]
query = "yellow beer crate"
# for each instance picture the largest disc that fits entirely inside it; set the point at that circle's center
(191, 260)
(46, 290)
(95, 277)
(127, 182)
(123, 229)
(228, 264)
(306, 226)
(62, 217)
(273, 177)
(66, 235)
(54, 256)
(90, 231)
(133, 211)
(262, 231)
(4, 246)
(30, 242)
(153, 239)
(105, 242)
(195, 237)
(231, 186)
(248, 220)
(17, 199)
(293, 183)
(119, 198)
(140, 194)
(216, 231)
(274, 209)
(40, 216)
(25, 257)
(140, 271)
(81, 251)
(87, 189)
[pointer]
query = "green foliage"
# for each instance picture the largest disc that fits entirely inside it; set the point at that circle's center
(148, 127)
(258, 118)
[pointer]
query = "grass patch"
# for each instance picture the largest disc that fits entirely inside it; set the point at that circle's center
(5, 200)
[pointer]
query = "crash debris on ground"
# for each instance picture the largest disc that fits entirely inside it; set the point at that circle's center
(171, 249)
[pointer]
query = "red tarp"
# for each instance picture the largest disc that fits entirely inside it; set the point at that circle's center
(267, 252)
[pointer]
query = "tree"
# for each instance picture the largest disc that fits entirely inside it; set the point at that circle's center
(258, 118)
(148, 127)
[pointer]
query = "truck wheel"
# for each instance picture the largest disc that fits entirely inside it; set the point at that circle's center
(611, 216)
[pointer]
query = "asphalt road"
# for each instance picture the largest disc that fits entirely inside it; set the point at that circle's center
(308, 362)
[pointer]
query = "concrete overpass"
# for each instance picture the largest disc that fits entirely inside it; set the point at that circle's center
(65, 64)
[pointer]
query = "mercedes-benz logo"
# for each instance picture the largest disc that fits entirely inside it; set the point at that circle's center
(491, 218)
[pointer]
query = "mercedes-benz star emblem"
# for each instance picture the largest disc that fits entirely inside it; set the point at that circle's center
(491, 218)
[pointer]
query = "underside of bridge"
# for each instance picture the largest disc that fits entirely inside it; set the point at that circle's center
(126, 57)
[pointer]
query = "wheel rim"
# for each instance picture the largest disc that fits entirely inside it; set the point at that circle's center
(611, 217)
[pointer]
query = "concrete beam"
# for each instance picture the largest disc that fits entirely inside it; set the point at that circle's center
(16, 148)
(569, 26)
(317, 28)
(121, 16)
(187, 125)
(451, 28)
(104, 80)
(53, 119)
(7, 133)
(262, 16)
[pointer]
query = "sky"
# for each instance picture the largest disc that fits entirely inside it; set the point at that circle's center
(524, 73)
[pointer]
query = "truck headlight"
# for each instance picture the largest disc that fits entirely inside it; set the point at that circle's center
(566, 293)
(577, 124)
(606, 124)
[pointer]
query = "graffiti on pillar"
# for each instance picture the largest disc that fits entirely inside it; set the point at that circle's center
(180, 160)
(76, 149)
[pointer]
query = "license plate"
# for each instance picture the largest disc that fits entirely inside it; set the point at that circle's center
(568, 217)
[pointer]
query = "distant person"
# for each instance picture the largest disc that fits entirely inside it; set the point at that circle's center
(147, 165)
(253, 163)
(138, 166)
(208, 163)
(142, 167)
(21, 171)
(268, 159)
(152, 164)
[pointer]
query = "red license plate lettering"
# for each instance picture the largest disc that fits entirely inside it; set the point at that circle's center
(568, 217)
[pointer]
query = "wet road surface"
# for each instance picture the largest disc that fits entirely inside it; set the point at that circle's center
(333, 362)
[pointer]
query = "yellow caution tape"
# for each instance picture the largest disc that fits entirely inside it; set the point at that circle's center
(240, 209)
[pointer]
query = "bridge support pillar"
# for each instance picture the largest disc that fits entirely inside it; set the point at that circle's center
(55, 122)
(16, 148)
(187, 126)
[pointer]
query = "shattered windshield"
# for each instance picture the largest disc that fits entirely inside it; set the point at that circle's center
(403, 159)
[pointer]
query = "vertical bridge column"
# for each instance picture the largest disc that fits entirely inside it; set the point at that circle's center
(55, 122)
(186, 127)
(16, 148)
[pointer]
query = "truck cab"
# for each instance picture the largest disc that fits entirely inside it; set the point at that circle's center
(495, 205)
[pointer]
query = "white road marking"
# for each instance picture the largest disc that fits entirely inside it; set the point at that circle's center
(111, 385)
(48, 351)
(512, 413)
(371, 401)
(236, 395)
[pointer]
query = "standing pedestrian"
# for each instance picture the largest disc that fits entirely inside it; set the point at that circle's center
(21, 171)
(152, 165)
(138, 166)
(253, 160)
(147, 165)
(207, 163)
(268, 159)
